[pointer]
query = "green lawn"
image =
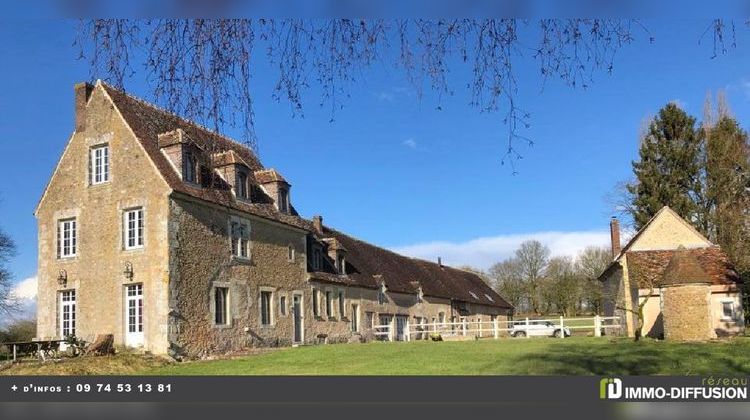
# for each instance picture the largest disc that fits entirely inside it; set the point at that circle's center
(538, 356)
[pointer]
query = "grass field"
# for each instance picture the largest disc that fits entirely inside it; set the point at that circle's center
(542, 356)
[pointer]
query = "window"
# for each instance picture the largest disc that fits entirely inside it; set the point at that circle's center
(382, 299)
(133, 228)
(67, 238)
(241, 188)
(135, 308)
(342, 304)
(240, 231)
(265, 308)
(68, 313)
(317, 258)
(282, 305)
(370, 319)
(283, 200)
(99, 164)
(290, 253)
(355, 318)
(727, 309)
(489, 297)
(316, 302)
(329, 304)
(441, 317)
(221, 306)
(188, 167)
(341, 264)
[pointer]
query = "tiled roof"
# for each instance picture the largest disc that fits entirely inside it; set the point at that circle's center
(268, 175)
(366, 264)
(228, 157)
(649, 267)
(147, 122)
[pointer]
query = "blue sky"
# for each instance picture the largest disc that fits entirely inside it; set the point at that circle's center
(392, 169)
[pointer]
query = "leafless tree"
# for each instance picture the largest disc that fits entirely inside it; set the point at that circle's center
(532, 257)
(202, 68)
(589, 265)
(8, 302)
(508, 282)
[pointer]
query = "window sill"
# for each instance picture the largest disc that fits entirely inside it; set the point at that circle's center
(242, 260)
(222, 326)
(100, 184)
(68, 259)
(133, 250)
(331, 318)
(267, 326)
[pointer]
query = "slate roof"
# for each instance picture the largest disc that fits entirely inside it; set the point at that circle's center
(367, 264)
(647, 267)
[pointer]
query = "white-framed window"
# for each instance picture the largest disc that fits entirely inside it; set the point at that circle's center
(132, 228)
(240, 236)
(67, 313)
(221, 305)
(242, 188)
(329, 304)
(316, 302)
(266, 297)
(99, 164)
(134, 298)
(341, 264)
(382, 298)
(342, 304)
(67, 238)
(727, 309)
(282, 305)
(291, 253)
(355, 317)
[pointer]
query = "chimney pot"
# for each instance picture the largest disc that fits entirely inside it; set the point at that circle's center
(82, 94)
(318, 223)
(614, 231)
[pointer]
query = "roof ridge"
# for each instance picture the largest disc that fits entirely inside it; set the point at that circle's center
(396, 253)
(175, 115)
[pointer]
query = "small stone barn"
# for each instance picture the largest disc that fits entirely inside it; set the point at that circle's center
(687, 285)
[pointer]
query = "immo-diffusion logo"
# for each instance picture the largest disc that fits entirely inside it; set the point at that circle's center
(708, 388)
(610, 388)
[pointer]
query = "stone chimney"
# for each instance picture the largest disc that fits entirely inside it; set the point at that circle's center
(614, 232)
(82, 95)
(318, 223)
(440, 262)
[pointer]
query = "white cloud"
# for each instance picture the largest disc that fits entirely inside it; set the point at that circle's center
(483, 252)
(26, 289)
(410, 143)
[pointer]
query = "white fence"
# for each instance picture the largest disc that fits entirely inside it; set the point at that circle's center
(400, 328)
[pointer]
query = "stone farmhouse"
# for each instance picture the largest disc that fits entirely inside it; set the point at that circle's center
(178, 240)
(691, 290)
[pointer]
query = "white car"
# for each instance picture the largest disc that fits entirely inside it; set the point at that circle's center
(538, 328)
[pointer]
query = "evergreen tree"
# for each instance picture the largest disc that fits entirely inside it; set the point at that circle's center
(727, 171)
(668, 171)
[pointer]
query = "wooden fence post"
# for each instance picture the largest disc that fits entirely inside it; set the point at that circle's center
(14, 352)
(494, 327)
(597, 326)
(407, 331)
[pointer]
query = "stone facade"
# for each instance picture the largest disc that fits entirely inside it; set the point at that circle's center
(686, 317)
(181, 287)
(636, 275)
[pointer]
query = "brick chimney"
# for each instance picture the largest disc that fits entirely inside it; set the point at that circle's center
(318, 223)
(614, 232)
(82, 94)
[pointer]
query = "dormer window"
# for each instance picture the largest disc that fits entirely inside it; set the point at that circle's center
(188, 167)
(382, 298)
(317, 260)
(341, 264)
(283, 201)
(241, 189)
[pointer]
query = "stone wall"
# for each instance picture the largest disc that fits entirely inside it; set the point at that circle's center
(96, 272)
(687, 314)
(668, 232)
(201, 259)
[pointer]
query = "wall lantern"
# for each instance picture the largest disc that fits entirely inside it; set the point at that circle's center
(128, 272)
(62, 278)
